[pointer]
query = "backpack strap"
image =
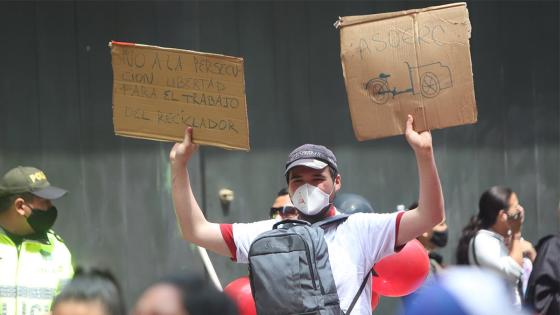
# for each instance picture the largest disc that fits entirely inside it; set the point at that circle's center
(357, 296)
(336, 218)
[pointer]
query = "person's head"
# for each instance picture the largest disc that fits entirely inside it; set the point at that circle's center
(352, 203)
(183, 295)
(313, 180)
(26, 201)
(282, 199)
(90, 292)
(496, 207)
(283, 208)
(435, 238)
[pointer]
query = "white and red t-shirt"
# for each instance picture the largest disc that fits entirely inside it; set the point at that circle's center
(355, 245)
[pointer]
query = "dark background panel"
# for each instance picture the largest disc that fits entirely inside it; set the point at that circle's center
(56, 113)
(19, 82)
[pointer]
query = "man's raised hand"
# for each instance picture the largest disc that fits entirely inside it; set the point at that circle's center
(420, 142)
(182, 152)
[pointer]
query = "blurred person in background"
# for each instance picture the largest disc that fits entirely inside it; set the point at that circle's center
(282, 199)
(183, 295)
(432, 241)
(543, 290)
(464, 291)
(493, 239)
(90, 292)
(282, 207)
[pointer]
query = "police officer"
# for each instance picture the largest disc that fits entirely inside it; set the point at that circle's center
(34, 262)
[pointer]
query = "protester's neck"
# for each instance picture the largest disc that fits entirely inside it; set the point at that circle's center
(325, 213)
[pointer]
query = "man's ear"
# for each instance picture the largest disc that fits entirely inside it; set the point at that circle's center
(19, 204)
(337, 182)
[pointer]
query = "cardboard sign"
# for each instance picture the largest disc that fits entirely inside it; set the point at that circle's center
(158, 92)
(410, 62)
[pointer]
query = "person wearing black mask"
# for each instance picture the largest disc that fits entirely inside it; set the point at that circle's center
(436, 238)
(433, 240)
(34, 261)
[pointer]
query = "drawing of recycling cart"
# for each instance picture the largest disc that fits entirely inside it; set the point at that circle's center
(431, 79)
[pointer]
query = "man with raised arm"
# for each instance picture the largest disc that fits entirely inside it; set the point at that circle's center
(355, 245)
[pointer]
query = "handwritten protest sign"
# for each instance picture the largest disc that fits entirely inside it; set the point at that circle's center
(158, 92)
(410, 62)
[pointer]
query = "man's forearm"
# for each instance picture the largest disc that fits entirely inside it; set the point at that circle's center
(430, 210)
(194, 226)
(188, 212)
(430, 201)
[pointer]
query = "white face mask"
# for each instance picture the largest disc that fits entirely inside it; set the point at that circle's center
(310, 199)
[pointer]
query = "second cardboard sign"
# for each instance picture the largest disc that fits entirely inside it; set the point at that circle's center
(410, 62)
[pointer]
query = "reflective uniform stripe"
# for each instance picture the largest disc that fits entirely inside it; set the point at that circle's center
(33, 309)
(26, 292)
(7, 292)
(32, 276)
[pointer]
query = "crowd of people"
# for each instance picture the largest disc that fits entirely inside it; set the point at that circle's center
(37, 276)
(97, 292)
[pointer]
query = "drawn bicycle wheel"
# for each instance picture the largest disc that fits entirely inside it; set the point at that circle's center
(378, 91)
(429, 84)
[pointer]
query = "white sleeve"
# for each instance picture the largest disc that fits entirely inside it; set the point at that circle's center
(487, 250)
(245, 233)
(375, 234)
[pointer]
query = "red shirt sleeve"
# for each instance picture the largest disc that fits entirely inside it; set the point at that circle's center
(397, 225)
(227, 234)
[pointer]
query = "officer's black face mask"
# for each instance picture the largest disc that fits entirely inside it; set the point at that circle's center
(42, 220)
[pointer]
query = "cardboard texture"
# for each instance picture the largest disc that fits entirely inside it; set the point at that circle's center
(410, 62)
(158, 92)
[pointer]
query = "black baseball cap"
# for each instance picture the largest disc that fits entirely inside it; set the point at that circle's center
(29, 179)
(313, 156)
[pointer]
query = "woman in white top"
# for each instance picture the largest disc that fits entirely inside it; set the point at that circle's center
(493, 240)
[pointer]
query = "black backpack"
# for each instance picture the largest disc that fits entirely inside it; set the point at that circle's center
(290, 272)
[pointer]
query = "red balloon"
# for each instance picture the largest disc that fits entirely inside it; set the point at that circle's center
(402, 273)
(239, 291)
(374, 300)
